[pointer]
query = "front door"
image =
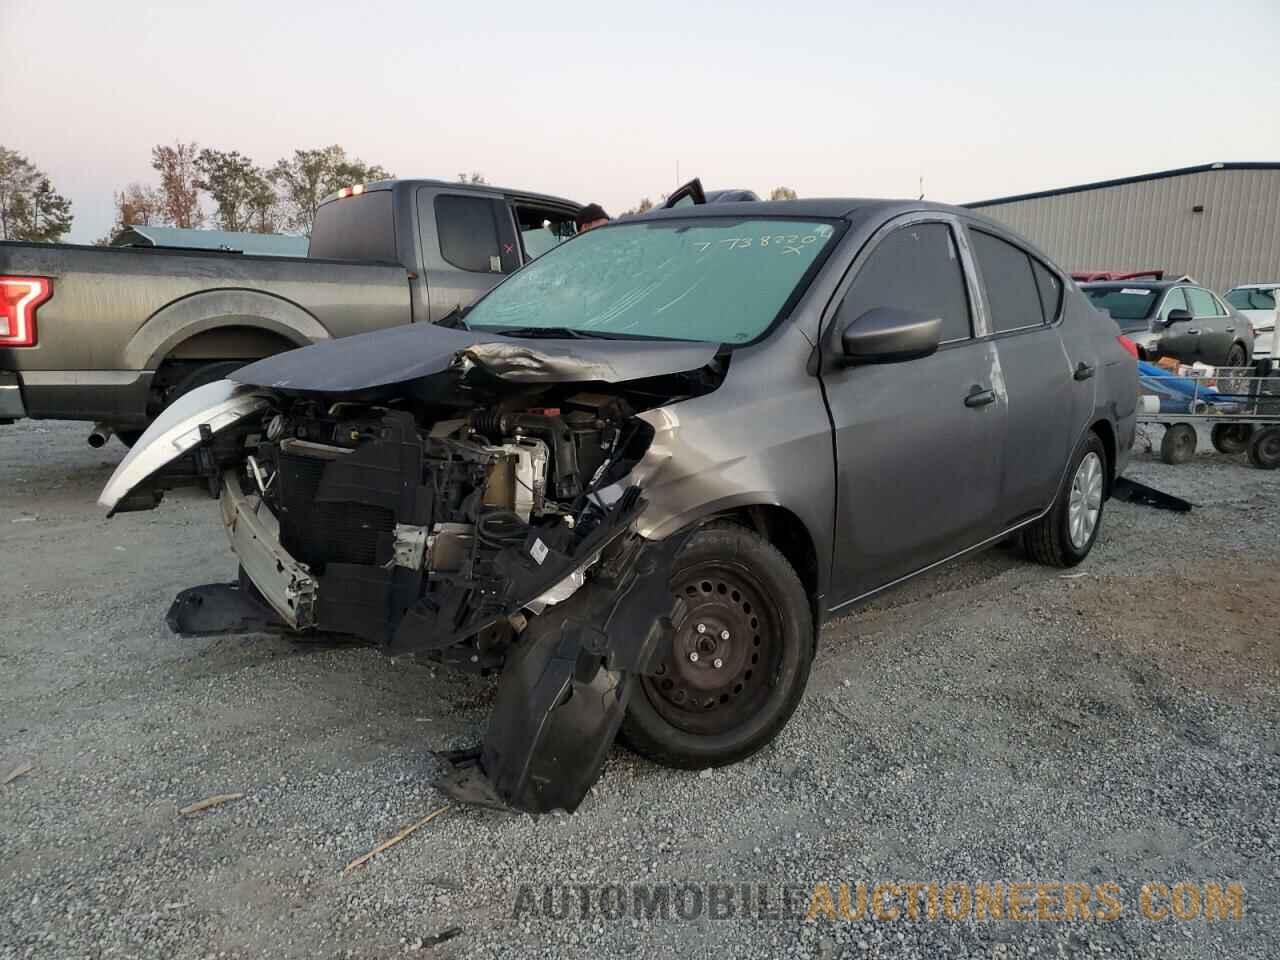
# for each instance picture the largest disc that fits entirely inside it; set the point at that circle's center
(919, 444)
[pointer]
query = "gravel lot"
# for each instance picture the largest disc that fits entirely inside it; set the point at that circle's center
(995, 721)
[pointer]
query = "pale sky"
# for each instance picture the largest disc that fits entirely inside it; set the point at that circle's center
(599, 102)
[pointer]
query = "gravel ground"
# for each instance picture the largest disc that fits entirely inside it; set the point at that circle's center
(995, 721)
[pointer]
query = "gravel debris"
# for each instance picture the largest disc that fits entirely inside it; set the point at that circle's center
(990, 722)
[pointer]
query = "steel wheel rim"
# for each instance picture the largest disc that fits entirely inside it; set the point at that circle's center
(696, 696)
(1085, 503)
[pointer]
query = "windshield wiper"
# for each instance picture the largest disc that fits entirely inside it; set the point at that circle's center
(557, 333)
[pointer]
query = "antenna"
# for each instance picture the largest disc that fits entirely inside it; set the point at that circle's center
(921, 197)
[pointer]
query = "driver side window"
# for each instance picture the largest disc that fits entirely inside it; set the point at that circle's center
(1176, 300)
(917, 268)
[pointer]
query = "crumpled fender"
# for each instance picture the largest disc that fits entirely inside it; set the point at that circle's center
(566, 683)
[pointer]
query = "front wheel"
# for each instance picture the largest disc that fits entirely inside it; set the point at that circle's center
(739, 656)
(1065, 535)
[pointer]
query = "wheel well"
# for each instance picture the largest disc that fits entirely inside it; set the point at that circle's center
(788, 534)
(1107, 434)
(230, 343)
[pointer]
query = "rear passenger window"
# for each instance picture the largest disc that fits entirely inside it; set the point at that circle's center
(1012, 293)
(915, 268)
(1050, 288)
(468, 233)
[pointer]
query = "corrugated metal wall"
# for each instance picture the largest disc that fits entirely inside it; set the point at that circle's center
(1150, 225)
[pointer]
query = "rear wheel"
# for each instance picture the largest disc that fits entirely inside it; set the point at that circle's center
(739, 657)
(1065, 535)
(1179, 443)
(1231, 438)
(1264, 449)
(197, 377)
(1237, 356)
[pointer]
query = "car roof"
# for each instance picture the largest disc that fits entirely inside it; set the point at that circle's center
(844, 208)
(1257, 286)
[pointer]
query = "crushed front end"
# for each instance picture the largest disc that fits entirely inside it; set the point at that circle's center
(490, 529)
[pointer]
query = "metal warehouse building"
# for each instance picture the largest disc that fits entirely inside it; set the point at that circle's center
(1219, 222)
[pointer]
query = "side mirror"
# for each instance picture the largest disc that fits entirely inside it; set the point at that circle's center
(890, 335)
(1177, 316)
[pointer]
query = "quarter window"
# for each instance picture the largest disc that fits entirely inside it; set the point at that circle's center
(1010, 283)
(1201, 301)
(468, 233)
(915, 268)
(1050, 288)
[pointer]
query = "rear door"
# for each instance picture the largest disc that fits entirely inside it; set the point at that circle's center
(920, 444)
(1049, 388)
(1210, 319)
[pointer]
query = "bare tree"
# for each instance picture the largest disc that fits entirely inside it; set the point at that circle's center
(644, 204)
(472, 177)
(782, 193)
(177, 168)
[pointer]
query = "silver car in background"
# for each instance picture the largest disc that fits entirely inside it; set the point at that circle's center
(637, 475)
(1257, 304)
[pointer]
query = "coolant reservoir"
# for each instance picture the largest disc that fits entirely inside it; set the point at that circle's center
(517, 478)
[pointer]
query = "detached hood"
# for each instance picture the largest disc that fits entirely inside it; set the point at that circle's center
(400, 354)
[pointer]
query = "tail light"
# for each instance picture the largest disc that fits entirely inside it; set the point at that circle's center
(19, 299)
(1130, 347)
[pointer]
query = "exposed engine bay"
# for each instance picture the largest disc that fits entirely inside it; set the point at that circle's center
(423, 538)
(487, 525)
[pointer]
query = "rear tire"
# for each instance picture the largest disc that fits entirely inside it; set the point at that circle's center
(695, 714)
(1264, 449)
(1231, 438)
(209, 373)
(1237, 356)
(1179, 444)
(1064, 536)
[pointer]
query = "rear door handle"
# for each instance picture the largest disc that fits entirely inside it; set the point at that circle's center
(1194, 333)
(1231, 329)
(1084, 371)
(979, 396)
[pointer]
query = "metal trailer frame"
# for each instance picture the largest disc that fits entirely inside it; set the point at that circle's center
(1242, 403)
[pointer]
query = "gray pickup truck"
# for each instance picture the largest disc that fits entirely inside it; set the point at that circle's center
(113, 335)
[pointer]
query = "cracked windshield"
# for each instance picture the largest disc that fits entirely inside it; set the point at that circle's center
(719, 280)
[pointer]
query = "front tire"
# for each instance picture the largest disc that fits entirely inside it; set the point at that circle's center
(1064, 536)
(739, 657)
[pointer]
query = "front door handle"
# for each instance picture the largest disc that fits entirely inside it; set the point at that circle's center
(1194, 333)
(1084, 371)
(1231, 329)
(979, 396)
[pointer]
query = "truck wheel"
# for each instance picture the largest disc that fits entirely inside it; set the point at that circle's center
(209, 373)
(1179, 443)
(1231, 438)
(739, 657)
(1065, 535)
(1264, 449)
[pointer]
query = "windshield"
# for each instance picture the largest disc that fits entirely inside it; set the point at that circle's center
(722, 280)
(1124, 303)
(1252, 298)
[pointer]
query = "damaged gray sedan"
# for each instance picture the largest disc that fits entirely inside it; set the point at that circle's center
(636, 476)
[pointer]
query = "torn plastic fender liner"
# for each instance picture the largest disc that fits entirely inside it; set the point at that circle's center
(565, 686)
